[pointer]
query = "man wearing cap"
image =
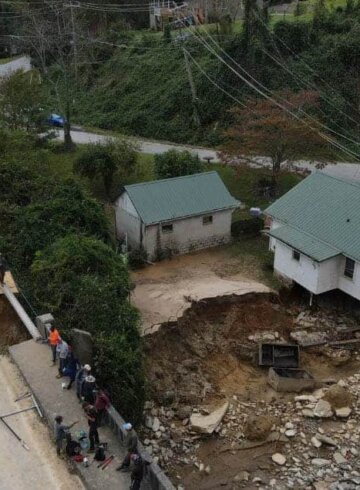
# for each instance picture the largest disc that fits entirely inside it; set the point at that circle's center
(80, 380)
(131, 442)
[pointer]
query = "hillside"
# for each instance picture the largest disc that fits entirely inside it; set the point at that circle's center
(142, 87)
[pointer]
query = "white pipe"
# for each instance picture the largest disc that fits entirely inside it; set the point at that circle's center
(24, 317)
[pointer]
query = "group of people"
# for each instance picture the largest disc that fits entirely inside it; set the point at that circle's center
(94, 403)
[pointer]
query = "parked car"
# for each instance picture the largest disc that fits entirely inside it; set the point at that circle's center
(55, 120)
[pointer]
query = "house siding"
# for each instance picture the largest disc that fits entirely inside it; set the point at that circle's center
(127, 221)
(189, 234)
(349, 286)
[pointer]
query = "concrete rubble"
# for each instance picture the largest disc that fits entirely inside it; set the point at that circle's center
(309, 457)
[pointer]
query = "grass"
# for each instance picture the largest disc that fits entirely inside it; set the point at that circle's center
(3, 61)
(242, 181)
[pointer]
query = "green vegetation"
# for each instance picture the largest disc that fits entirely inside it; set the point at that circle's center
(175, 163)
(58, 243)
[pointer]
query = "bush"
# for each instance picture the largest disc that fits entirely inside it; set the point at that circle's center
(175, 163)
(251, 226)
(137, 258)
(119, 367)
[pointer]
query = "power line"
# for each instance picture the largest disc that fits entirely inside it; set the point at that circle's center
(274, 101)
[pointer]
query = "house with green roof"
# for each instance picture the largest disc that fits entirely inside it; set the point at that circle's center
(315, 234)
(175, 215)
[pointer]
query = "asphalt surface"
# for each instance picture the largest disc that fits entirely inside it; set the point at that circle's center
(36, 469)
(350, 171)
(22, 63)
(33, 360)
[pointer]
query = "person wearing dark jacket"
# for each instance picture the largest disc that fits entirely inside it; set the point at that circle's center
(131, 442)
(80, 380)
(70, 368)
(137, 473)
(91, 415)
(88, 389)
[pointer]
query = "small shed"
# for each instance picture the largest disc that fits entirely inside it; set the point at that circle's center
(175, 215)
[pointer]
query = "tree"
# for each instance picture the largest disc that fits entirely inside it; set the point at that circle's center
(69, 209)
(21, 101)
(175, 163)
(106, 160)
(264, 129)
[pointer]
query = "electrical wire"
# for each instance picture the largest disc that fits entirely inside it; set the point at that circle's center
(274, 101)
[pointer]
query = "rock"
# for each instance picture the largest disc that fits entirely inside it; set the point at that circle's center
(207, 470)
(206, 424)
(149, 421)
(306, 398)
(242, 476)
(338, 396)
(290, 433)
(304, 338)
(307, 412)
(320, 462)
(289, 425)
(323, 409)
(326, 440)
(168, 397)
(272, 482)
(201, 467)
(321, 485)
(278, 459)
(156, 424)
(258, 428)
(339, 458)
(343, 412)
(315, 442)
(183, 412)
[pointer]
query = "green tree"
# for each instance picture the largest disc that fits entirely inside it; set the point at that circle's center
(21, 101)
(118, 360)
(68, 209)
(107, 160)
(175, 163)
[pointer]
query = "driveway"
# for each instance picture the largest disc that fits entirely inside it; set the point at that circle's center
(350, 171)
(38, 468)
(22, 63)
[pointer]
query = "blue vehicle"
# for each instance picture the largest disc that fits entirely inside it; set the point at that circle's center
(55, 120)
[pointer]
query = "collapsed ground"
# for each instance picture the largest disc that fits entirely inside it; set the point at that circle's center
(208, 357)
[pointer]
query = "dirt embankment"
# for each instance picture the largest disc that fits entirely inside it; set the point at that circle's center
(11, 329)
(198, 356)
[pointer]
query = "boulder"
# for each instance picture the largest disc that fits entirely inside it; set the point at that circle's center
(279, 459)
(315, 442)
(343, 412)
(258, 428)
(339, 458)
(206, 424)
(323, 409)
(242, 476)
(156, 424)
(326, 440)
(338, 396)
(320, 462)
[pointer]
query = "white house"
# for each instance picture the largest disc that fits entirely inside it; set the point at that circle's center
(315, 234)
(175, 215)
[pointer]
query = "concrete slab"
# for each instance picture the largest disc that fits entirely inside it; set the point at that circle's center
(33, 360)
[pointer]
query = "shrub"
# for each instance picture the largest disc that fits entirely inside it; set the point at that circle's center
(175, 163)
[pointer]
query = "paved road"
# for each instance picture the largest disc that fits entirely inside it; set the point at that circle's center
(38, 468)
(349, 171)
(18, 64)
(146, 146)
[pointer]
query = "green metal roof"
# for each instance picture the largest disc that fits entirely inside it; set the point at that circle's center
(303, 242)
(325, 208)
(180, 197)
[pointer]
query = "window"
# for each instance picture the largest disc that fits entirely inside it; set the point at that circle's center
(207, 220)
(349, 268)
(296, 255)
(167, 228)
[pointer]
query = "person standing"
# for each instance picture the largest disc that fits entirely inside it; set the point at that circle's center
(70, 368)
(62, 349)
(88, 389)
(53, 339)
(131, 442)
(60, 432)
(102, 403)
(91, 415)
(80, 380)
(137, 473)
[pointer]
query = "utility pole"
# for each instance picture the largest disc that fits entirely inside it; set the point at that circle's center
(74, 39)
(192, 88)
